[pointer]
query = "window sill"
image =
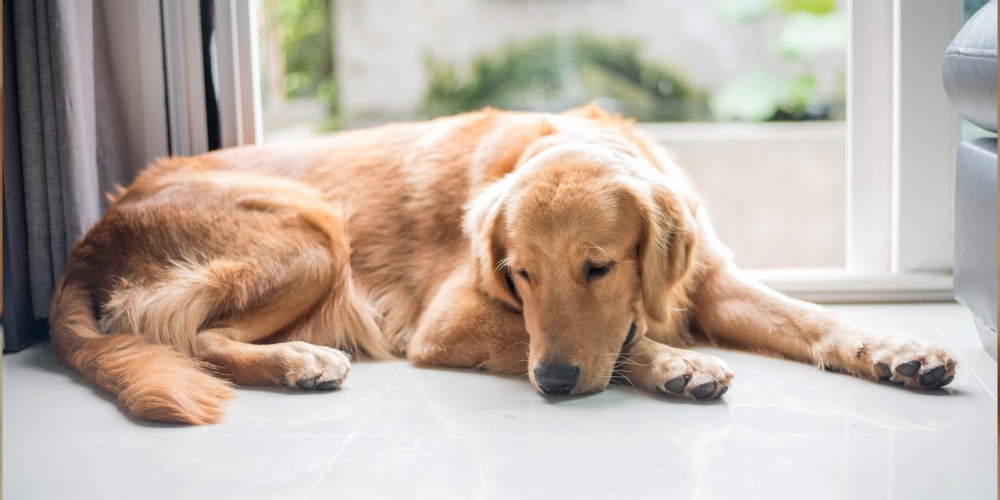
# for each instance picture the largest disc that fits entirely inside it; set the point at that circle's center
(841, 286)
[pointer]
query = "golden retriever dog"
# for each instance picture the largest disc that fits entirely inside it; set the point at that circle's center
(568, 247)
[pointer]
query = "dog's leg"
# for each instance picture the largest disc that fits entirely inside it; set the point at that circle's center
(289, 282)
(291, 364)
(462, 328)
(734, 311)
(650, 365)
(285, 307)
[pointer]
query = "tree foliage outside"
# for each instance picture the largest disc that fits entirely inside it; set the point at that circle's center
(809, 29)
(301, 35)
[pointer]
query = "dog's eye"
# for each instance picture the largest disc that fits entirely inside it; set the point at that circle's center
(523, 274)
(631, 335)
(595, 271)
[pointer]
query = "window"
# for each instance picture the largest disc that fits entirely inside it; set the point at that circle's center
(878, 229)
(688, 70)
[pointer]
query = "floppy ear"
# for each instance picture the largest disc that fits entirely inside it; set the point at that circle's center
(485, 226)
(666, 249)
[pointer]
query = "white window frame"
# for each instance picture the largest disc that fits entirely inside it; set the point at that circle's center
(239, 72)
(183, 72)
(901, 141)
(184, 75)
(902, 138)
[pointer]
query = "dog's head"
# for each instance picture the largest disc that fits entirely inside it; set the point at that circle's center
(587, 245)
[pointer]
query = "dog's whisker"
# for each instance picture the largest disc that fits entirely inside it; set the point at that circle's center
(625, 377)
(634, 363)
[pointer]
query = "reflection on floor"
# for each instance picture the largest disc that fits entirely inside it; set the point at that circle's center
(784, 430)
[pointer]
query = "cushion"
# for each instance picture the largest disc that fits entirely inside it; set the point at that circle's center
(970, 69)
(976, 233)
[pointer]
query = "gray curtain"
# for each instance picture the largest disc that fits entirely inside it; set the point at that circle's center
(69, 145)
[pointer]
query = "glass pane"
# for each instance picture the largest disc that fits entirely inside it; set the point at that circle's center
(748, 94)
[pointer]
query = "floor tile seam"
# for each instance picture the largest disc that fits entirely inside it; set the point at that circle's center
(937, 327)
(326, 471)
(354, 433)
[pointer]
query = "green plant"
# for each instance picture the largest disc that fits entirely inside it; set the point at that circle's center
(809, 29)
(552, 73)
(307, 45)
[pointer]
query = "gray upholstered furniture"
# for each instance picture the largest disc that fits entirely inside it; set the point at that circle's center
(970, 79)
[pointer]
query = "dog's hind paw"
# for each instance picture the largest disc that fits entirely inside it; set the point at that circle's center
(314, 367)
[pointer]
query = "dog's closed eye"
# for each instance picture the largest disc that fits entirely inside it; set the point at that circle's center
(524, 275)
(595, 270)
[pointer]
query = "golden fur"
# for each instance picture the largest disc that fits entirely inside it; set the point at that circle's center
(509, 242)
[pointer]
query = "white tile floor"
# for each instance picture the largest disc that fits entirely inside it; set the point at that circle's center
(785, 430)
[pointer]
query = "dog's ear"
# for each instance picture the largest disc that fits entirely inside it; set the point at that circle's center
(502, 150)
(666, 248)
(485, 226)
(590, 110)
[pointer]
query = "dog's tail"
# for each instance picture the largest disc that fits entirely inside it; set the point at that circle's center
(151, 381)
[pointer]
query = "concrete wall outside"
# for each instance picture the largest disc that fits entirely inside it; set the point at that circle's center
(776, 192)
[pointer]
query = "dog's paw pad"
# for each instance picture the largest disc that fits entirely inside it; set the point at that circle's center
(722, 391)
(676, 384)
(306, 383)
(945, 382)
(908, 369)
(329, 385)
(703, 390)
(886, 373)
(932, 377)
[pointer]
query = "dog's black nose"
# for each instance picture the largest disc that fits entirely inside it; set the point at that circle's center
(556, 379)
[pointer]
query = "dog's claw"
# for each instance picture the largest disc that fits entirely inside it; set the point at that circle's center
(885, 369)
(306, 383)
(932, 377)
(676, 385)
(329, 385)
(908, 369)
(703, 390)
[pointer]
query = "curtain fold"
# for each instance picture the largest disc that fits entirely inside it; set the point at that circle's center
(54, 50)
(67, 133)
(56, 88)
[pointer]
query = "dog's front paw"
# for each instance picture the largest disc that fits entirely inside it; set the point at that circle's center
(911, 363)
(311, 366)
(692, 374)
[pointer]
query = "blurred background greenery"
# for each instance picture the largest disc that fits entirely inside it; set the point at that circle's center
(296, 51)
(551, 73)
(555, 72)
(808, 30)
